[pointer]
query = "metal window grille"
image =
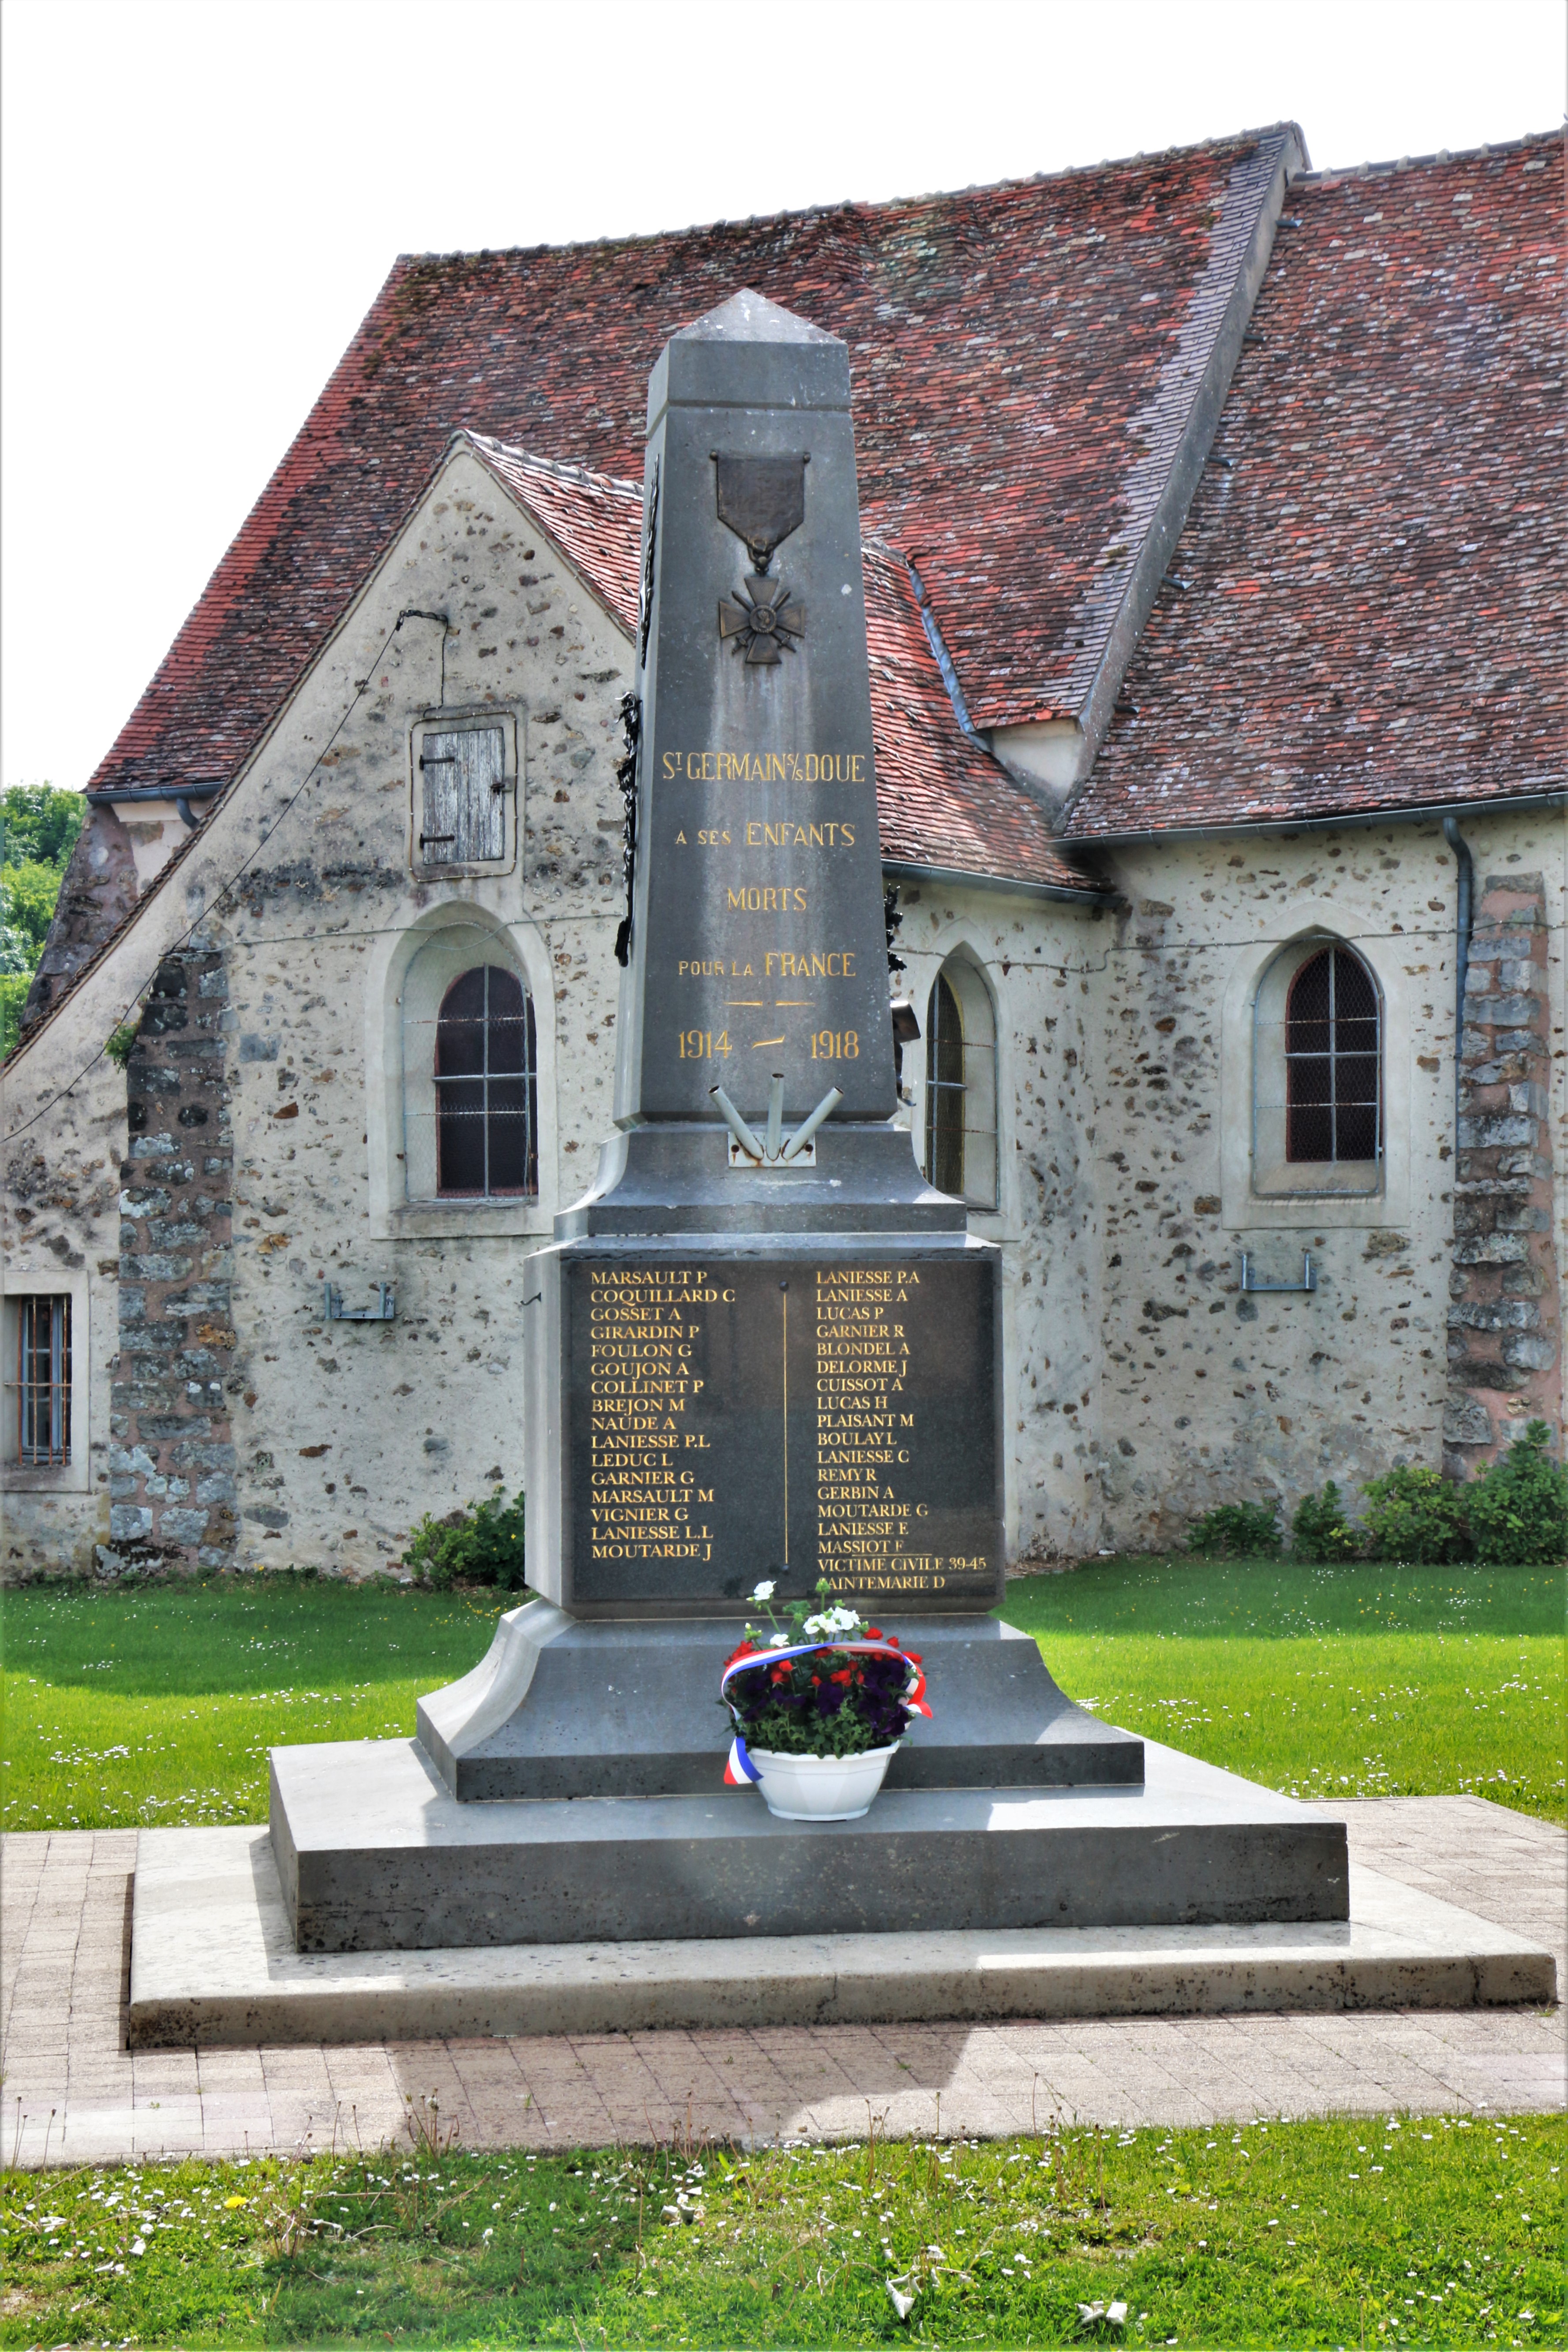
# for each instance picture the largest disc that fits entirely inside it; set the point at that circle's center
(486, 1089)
(945, 1090)
(44, 1380)
(1333, 1094)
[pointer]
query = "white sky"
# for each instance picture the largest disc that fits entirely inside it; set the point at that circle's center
(200, 200)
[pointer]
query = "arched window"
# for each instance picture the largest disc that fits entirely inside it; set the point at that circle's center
(487, 1100)
(961, 1085)
(944, 1089)
(1332, 1093)
(1317, 1085)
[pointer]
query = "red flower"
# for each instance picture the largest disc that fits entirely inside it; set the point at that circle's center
(746, 1650)
(875, 1633)
(847, 1676)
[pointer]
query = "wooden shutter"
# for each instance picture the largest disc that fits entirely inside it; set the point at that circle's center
(464, 799)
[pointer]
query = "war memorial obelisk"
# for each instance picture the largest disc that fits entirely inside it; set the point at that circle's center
(774, 1347)
(760, 1346)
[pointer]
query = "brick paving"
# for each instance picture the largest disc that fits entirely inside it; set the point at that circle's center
(73, 2094)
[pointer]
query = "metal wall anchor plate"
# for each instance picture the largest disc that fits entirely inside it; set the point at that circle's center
(1309, 1278)
(384, 1311)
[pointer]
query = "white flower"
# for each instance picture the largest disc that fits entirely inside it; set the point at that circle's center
(778, 1641)
(831, 1622)
(765, 1591)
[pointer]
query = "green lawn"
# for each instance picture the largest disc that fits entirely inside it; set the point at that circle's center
(157, 1703)
(1370, 2231)
(1357, 1681)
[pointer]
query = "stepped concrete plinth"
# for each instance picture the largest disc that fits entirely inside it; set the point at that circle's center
(374, 1853)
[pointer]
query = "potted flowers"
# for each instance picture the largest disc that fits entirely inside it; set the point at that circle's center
(819, 1708)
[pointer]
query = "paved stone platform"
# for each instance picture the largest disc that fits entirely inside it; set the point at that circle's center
(213, 1964)
(73, 2093)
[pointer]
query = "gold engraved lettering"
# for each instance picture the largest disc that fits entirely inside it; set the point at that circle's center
(645, 1324)
(872, 1530)
(831, 963)
(752, 901)
(765, 768)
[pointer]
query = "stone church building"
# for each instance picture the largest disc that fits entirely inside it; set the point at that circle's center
(1213, 514)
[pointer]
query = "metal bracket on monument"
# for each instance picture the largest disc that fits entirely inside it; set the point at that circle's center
(800, 1151)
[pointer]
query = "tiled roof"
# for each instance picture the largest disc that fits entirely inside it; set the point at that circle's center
(595, 520)
(942, 800)
(1373, 568)
(1023, 357)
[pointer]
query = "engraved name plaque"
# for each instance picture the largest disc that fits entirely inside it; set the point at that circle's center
(730, 1416)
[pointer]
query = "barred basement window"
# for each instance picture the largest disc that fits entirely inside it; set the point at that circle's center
(42, 1382)
(487, 1088)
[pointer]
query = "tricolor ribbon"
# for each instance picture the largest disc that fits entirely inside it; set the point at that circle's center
(740, 1772)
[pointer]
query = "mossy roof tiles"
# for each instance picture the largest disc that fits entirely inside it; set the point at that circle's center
(1372, 568)
(1022, 356)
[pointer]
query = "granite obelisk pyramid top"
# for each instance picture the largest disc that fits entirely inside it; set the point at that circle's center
(757, 944)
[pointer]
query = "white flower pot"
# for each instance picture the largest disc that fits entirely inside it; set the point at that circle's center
(821, 1788)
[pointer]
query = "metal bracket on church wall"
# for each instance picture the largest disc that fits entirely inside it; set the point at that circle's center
(1309, 1279)
(384, 1311)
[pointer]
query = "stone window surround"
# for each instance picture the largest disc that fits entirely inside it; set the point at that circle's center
(1260, 1201)
(72, 1476)
(521, 947)
(954, 951)
(474, 718)
(977, 1016)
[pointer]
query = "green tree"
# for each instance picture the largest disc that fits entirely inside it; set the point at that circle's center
(40, 823)
(28, 895)
(38, 829)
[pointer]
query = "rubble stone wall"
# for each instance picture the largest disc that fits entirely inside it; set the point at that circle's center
(172, 1456)
(1505, 1321)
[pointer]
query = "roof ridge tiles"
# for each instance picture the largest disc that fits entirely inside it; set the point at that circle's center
(557, 467)
(1488, 151)
(1388, 451)
(630, 240)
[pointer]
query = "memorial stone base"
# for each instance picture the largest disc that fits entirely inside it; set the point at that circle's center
(373, 1854)
(560, 1707)
(569, 1791)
